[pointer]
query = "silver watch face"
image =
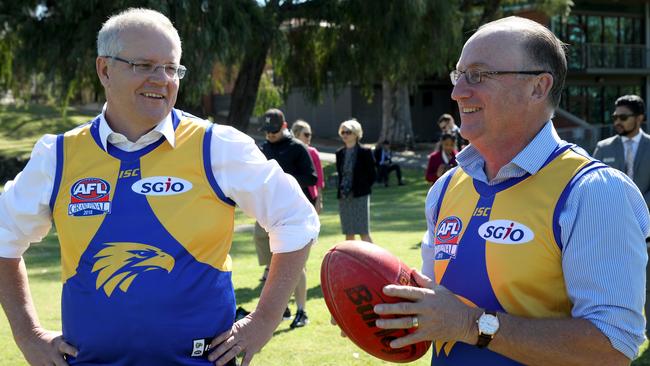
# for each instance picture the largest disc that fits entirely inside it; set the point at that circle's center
(488, 324)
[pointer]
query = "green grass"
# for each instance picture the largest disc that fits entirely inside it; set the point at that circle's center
(21, 127)
(397, 223)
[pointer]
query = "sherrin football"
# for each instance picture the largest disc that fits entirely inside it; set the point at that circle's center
(353, 274)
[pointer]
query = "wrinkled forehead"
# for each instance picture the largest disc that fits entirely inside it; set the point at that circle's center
(493, 49)
(149, 42)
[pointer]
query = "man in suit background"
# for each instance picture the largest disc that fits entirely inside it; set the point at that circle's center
(384, 161)
(629, 150)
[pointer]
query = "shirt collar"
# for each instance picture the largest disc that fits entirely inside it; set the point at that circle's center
(164, 127)
(634, 139)
(531, 158)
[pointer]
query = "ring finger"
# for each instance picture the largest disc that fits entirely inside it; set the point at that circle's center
(397, 323)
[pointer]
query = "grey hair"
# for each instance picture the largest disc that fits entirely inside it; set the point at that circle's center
(299, 126)
(109, 42)
(354, 126)
(542, 48)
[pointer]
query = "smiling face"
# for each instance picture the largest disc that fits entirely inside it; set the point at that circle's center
(491, 111)
(138, 102)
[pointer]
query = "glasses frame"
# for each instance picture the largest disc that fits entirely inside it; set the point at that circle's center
(346, 132)
(454, 75)
(179, 70)
(622, 117)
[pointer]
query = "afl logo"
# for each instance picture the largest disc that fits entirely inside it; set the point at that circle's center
(506, 232)
(90, 189)
(161, 186)
(448, 229)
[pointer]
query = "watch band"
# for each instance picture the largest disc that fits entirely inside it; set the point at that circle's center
(483, 338)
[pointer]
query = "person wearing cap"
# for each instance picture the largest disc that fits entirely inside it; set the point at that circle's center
(293, 157)
(143, 198)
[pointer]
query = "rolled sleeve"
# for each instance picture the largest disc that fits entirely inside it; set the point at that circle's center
(262, 190)
(604, 225)
(25, 215)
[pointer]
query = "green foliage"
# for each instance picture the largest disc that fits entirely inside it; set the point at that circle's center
(365, 42)
(268, 96)
(60, 40)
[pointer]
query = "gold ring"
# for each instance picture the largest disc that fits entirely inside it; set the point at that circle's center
(414, 322)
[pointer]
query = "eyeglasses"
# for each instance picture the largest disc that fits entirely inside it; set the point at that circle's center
(346, 132)
(146, 68)
(622, 117)
(475, 76)
(306, 134)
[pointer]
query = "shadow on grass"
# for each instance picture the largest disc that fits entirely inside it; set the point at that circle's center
(246, 294)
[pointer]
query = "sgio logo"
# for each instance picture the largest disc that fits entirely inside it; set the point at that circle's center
(161, 186)
(506, 232)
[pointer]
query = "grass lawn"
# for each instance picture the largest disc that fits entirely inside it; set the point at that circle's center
(397, 223)
(21, 127)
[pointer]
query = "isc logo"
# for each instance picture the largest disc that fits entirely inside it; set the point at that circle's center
(449, 228)
(506, 232)
(161, 186)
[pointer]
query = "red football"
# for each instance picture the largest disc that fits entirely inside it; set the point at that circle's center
(352, 275)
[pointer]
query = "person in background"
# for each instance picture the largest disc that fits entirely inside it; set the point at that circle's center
(443, 159)
(447, 124)
(356, 171)
(294, 159)
(384, 161)
(302, 131)
(629, 150)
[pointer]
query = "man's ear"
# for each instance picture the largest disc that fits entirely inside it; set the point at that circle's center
(542, 87)
(101, 64)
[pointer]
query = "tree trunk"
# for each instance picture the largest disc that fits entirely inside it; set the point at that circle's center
(396, 125)
(244, 93)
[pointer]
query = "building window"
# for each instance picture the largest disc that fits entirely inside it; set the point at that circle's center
(602, 41)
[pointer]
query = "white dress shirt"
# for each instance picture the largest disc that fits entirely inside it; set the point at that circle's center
(259, 187)
(635, 143)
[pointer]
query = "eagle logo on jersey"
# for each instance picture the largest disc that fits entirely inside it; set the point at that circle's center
(119, 264)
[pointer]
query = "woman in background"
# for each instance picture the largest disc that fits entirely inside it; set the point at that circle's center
(356, 170)
(443, 159)
(302, 131)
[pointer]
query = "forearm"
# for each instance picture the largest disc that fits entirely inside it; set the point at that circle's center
(283, 276)
(16, 298)
(552, 342)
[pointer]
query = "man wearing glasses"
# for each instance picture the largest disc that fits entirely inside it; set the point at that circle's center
(522, 261)
(143, 200)
(629, 150)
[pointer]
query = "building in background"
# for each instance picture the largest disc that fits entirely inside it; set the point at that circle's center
(608, 56)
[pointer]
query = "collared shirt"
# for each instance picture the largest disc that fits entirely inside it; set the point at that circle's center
(604, 252)
(635, 144)
(259, 187)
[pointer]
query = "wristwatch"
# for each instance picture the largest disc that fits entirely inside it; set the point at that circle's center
(488, 326)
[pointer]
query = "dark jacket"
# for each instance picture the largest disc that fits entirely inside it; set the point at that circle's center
(378, 152)
(294, 159)
(435, 160)
(364, 171)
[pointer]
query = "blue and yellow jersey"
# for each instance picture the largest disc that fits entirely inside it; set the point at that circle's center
(498, 247)
(145, 237)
